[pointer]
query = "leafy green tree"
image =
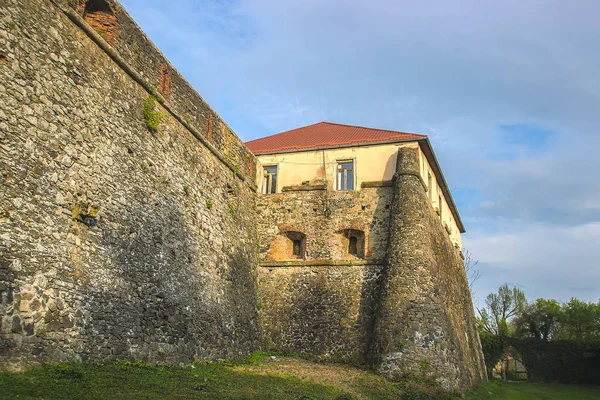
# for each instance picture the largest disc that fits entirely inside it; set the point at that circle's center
(580, 320)
(539, 320)
(500, 308)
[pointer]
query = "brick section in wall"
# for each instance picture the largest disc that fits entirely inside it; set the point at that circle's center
(164, 81)
(100, 15)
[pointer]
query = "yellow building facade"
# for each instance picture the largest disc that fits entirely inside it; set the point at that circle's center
(373, 164)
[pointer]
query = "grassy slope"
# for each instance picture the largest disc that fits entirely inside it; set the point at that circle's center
(136, 382)
(259, 378)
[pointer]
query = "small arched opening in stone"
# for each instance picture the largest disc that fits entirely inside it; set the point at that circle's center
(353, 245)
(287, 245)
(100, 15)
(298, 244)
(354, 242)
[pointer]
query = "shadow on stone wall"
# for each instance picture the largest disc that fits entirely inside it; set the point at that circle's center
(7, 292)
(158, 301)
(138, 306)
(326, 318)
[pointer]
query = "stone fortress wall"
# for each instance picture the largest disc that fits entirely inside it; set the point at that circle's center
(120, 242)
(116, 242)
(400, 305)
(322, 305)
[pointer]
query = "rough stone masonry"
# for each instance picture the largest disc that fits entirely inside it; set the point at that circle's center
(119, 241)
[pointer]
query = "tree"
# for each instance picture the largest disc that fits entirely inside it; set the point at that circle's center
(539, 319)
(500, 308)
(473, 274)
(580, 320)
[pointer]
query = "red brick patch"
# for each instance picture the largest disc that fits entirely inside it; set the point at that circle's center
(164, 81)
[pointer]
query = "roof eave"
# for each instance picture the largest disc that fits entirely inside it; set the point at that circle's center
(338, 146)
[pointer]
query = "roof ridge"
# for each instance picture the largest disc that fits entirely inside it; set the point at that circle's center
(289, 130)
(366, 127)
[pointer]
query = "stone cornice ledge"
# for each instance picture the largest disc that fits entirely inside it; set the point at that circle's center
(376, 184)
(318, 263)
(303, 188)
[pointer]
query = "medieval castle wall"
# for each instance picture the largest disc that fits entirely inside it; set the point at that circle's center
(116, 242)
(322, 304)
(401, 305)
(119, 241)
(425, 321)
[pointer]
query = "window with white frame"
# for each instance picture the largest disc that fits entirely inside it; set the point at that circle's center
(270, 180)
(345, 175)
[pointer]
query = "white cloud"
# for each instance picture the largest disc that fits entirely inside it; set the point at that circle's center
(545, 260)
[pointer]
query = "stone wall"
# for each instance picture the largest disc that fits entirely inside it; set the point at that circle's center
(116, 242)
(321, 305)
(404, 307)
(325, 216)
(319, 312)
(121, 241)
(425, 322)
(142, 56)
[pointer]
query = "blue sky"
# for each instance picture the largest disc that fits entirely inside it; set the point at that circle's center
(508, 93)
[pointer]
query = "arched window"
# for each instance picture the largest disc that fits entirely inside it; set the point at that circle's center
(354, 241)
(298, 245)
(101, 17)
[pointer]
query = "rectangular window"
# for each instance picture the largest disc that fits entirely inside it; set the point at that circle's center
(345, 175)
(440, 205)
(270, 180)
(353, 245)
(297, 249)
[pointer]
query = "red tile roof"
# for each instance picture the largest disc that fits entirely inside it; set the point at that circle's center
(323, 135)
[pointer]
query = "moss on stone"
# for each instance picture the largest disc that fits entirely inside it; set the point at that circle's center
(152, 118)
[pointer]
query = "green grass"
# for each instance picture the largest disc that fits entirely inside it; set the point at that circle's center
(532, 391)
(122, 381)
(256, 377)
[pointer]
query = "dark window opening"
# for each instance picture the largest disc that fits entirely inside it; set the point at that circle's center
(297, 248)
(429, 185)
(354, 242)
(298, 244)
(94, 6)
(353, 245)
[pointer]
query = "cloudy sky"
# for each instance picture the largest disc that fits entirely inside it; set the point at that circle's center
(508, 92)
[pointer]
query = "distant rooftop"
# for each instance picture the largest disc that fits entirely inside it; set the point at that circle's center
(326, 135)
